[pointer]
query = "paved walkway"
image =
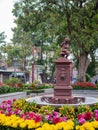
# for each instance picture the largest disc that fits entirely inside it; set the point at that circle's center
(86, 93)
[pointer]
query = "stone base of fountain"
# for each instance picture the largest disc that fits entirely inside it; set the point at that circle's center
(53, 100)
(49, 100)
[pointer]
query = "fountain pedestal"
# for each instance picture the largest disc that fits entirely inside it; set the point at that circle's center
(63, 89)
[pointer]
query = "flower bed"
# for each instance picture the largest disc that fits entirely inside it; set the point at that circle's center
(22, 115)
(84, 85)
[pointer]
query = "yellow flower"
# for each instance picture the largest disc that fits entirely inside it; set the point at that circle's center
(95, 124)
(39, 128)
(85, 126)
(77, 127)
(88, 126)
(15, 125)
(46, 126)
(22, 125)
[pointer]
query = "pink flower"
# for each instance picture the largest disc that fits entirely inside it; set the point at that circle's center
(56, 114)
(82, 121)
(48, 117)
(17, 112)
(9, 102)
(96, 111)
(8, 109)
(63, 118)
(22, 116)
(96, 115)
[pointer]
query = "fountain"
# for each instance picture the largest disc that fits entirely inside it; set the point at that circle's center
(63, 89)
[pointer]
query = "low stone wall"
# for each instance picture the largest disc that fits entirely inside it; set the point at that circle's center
(11, 96)
(86, 93)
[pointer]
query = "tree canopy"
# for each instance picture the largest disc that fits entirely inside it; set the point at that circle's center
(52, 20)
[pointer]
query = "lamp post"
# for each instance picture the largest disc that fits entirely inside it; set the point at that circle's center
(32, 71)
(14, 59)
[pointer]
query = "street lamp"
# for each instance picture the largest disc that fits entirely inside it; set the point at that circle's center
(32, 71)
(14, 59)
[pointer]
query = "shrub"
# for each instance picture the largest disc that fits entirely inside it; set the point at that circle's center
(13, 81)
(4, 89)
(31, 86)
(9, 89)
(44, 86)
(84, 85)
(36, 82)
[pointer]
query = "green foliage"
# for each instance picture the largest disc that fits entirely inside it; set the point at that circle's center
(36, 82)
(2, 44)
(44, 86)
(83, 109)
(9, 89)
(50, 22)
(68, 111)
(34, 86)
(13, 81)
(25, 106)
(46, 109)
(2, 37)
(31, 86)
(88, 78)
(4, 89)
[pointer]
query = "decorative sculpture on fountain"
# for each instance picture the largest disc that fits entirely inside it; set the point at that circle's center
(64, 48)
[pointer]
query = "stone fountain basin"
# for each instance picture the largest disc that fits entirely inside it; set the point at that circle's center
(88, 101)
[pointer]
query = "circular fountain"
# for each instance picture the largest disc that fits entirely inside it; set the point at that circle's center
(38, 99)
(63, 89)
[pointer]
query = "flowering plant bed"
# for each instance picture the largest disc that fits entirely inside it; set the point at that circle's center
(23, 115)
(84, 85)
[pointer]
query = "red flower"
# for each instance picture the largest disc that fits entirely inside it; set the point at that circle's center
(85, 85)
(56, 120)
(88, 116)
(38, 118)
(80, 116)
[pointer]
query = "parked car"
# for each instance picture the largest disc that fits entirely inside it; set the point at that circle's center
(20, 75)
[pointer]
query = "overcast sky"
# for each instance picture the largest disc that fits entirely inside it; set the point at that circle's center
(6, 17)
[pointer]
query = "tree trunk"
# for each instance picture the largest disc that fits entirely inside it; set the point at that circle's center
(82, 67)
(43, 77)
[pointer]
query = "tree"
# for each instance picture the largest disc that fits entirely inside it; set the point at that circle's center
(22, 40)
(53, 19)
(2, 43)
(2, 37)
